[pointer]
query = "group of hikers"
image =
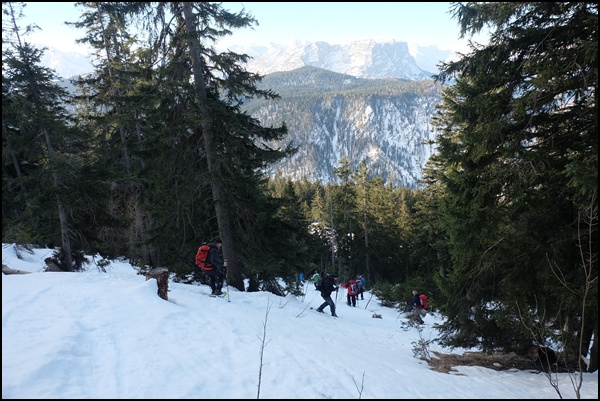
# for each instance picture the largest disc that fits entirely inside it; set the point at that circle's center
(208, 259)
(355, 288)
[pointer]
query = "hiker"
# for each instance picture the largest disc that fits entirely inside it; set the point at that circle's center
(214, 267)
(352, 287)
(419, 304)
(315, 279)
(327, 288)
(362, 283)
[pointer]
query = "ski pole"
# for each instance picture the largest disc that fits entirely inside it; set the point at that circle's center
(226, 281)
(336, 295)
(304, 288)
(369, 300)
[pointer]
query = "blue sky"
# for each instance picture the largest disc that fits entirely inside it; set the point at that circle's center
(424, 24)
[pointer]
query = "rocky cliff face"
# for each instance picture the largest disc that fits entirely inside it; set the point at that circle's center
(330, 116)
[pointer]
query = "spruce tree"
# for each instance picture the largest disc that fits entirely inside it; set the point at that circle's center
(227, 148)
(516, 164)
(115, 102)
(46, 151)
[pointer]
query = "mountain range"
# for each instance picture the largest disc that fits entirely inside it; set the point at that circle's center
(367, 100)
(66, 64)
(362, 59)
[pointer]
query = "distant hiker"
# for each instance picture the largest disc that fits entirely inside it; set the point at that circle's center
(327, 287)
(214, 267)
(362, 283)
(352, 287)
(420, 305)
(315, 279)
(301, 277)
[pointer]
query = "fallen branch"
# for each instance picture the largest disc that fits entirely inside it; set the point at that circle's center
(7, 270)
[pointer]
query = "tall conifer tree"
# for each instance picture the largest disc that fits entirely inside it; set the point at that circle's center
(516, 164)
(206, 131)
(47, 152)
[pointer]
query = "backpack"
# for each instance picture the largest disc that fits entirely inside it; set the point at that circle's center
(325, 283)
(423, 301)
(201, 256)
(353, 289)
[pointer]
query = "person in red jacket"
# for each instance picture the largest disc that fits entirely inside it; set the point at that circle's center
(352, 287)
(420, 305)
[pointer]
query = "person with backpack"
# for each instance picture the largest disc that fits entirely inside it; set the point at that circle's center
(207, 258)
(362, 283)
(420, 305)
(352, 287)
(326, 288)
(315, 278)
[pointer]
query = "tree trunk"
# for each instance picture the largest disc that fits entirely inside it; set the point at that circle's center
(161, 275)
(234, 276)
(593, 363)
(366, 228)
(62, 211)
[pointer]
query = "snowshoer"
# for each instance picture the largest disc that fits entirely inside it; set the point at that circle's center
(326, 289)
(352, 287)
(315, 278)
(362, 283)
(419, 304)
(214, 268)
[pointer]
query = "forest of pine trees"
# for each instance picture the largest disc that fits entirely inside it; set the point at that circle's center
(153, 155)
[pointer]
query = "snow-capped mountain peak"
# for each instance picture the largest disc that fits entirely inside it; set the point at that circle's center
(367, 58)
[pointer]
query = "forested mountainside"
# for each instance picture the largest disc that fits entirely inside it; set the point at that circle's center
(332, 116)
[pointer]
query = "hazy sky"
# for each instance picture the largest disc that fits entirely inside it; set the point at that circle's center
(423, 24)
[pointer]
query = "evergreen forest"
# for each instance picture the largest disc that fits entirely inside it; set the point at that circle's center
(154, 155)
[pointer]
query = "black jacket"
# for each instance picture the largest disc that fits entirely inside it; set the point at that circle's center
(328, 286)
(416, 302)
(213, 257)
